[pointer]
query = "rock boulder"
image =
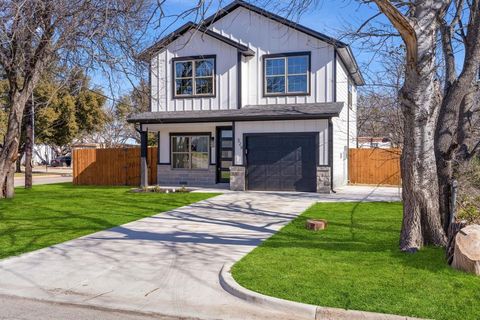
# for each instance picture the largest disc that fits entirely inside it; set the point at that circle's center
(466, 256)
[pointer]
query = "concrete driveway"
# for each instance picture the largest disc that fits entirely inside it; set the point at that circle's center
(167, 264)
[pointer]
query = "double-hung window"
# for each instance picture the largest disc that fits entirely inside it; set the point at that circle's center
(194, 76)
(190, 151)
(287, 74)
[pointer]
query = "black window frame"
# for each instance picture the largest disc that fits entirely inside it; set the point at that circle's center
(191, 134)
(265, 57)
(194, 94)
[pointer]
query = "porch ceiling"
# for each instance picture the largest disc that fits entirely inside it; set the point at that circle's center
(248, 113)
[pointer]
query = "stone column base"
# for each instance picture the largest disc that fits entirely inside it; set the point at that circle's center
(324, 178)
(237, 178)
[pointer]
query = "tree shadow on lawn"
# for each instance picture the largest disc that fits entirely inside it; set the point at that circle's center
(353, 231)
(48, 215)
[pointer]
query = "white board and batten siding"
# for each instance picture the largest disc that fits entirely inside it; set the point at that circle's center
(241, 128)
(194, 43)
(266, 36)
(246, 127)
(262, 35)
(345, 123)
(166, 129)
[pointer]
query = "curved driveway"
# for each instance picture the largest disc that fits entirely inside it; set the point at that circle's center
(169, 263)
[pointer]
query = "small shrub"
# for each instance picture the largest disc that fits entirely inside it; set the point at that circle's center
(468, 201)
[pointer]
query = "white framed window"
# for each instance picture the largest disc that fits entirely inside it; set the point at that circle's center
(287, 74)
(194, 76)
(190, 151)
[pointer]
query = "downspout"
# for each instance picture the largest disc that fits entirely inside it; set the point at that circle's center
(330, 152)
(348, 131)
(150, 86)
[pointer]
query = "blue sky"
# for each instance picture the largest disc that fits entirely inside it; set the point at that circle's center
(327, 16)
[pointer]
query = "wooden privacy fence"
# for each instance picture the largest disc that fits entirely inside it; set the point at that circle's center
(374, 166)
(112, 167)
(122, 166)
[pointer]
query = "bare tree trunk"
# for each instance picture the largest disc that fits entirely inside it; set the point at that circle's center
(421, 220)
(448, 142)
(28, 145)
(420, 97)
(453, 141)
(9, 187)
(18, 164)
(9, 153)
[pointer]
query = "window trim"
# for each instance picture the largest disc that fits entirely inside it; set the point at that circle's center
(193, 59)
(191, 134)
(285, 56)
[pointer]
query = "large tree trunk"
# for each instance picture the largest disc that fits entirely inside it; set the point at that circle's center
(10, 182)
(449, 139)
(29, 145)
(453, 141)
(9, 153)
(451, 136)
(420, 97)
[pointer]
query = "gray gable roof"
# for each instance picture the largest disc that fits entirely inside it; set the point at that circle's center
(323, 110)
(344, 51)
(165, 41)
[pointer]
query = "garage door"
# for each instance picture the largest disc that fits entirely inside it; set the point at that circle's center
(281, 162)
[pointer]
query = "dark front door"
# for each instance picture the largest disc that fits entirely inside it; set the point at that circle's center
(283, 162)
(224, 153)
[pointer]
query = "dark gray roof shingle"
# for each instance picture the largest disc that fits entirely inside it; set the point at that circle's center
(248, 113)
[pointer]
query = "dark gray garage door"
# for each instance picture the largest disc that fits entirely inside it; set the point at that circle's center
(281, 162)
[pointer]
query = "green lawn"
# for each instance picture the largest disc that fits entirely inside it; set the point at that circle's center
(355, 264)
(50, 214)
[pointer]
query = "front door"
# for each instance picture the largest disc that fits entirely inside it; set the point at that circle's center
(224, 153)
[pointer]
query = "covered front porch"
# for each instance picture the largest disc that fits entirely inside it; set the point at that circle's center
(276, 148)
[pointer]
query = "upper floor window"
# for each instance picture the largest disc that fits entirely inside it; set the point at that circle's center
(287, 74)
(194, 76)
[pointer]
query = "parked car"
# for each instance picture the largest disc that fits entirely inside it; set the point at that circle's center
(63, 161)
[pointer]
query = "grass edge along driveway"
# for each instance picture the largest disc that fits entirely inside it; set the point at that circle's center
(355, 264)
(55, 213)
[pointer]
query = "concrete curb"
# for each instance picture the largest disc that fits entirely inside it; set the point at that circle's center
(300, 310)
(304, 311)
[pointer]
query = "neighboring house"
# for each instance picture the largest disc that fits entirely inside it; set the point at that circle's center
(42, 154)
(251, 99)
(374, 142)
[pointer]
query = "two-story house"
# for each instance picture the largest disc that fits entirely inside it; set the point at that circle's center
(251, 99)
